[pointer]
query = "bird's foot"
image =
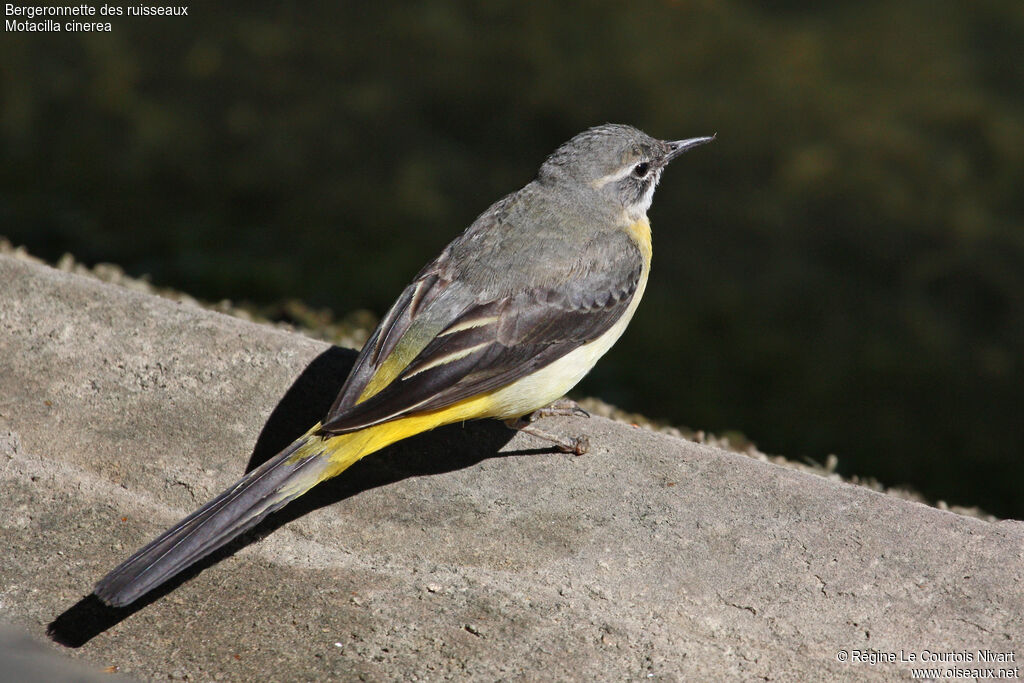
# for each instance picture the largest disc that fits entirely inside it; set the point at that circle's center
(561, 408)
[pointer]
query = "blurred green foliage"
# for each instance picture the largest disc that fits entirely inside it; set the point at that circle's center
(842, 271)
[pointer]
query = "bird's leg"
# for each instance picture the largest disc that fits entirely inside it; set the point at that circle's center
(561, 408)
(571, 444)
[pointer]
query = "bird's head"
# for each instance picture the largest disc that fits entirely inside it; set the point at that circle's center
(620, 162)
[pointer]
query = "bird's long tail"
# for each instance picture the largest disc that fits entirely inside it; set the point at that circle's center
(311, 459)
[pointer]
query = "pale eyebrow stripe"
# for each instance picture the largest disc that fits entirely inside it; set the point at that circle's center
(612, 177)
(470, 324)
(451, 357)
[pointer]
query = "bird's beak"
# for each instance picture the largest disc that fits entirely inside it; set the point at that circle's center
(677, 147)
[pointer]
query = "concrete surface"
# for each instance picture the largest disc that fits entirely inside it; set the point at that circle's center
(23, 660)
(458, 554)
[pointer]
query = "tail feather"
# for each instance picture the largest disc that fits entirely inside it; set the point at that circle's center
(298, 468)
(266, 489)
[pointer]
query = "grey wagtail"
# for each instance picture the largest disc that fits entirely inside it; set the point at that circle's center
(511, 315)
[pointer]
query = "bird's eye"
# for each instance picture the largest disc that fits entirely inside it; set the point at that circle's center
(641, 169)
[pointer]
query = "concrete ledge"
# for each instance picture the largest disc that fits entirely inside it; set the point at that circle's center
(460, 553)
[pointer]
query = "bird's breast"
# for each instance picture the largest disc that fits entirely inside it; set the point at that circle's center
(640, 232)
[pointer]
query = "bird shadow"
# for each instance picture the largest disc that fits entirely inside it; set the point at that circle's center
(443, 450)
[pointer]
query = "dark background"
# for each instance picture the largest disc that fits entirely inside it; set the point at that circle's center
(841, 272)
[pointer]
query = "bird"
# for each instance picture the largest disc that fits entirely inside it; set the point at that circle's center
(502, 324)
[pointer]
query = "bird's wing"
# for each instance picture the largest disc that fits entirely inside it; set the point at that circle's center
(414, 363)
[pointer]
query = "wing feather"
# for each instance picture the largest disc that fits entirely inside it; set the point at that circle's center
(490, 310)
(519, 335)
